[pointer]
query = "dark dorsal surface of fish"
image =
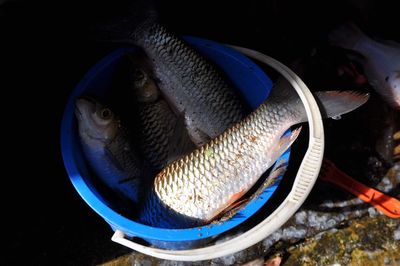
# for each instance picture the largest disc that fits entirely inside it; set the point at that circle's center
(162, 136)
(195, 88)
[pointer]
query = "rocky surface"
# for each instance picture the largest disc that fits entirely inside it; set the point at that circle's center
(344, 237)
(366, 241)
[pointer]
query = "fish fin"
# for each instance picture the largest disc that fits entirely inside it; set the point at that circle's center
(331, 103)
(284, 143)
(179, 143)
(346, 36)
(336, 103)
(278, 169)
(231, 210)
(235, 205)
(198, 137)
(235, 197)
(229, 205)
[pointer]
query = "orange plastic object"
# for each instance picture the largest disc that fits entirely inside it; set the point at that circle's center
(388, 205)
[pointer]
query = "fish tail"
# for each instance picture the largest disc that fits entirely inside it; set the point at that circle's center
(336, 103)
(346, 36)
(331, 103)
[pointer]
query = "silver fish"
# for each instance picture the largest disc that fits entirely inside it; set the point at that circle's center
(201, 185)
(192, 85)
(107, 148)
(163, 136)
(381, 60)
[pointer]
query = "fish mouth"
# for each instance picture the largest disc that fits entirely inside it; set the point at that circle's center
(84, 104)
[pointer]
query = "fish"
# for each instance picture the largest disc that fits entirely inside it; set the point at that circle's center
(278, 170)
(379, 59)
(163, 137)
(200, 186)
(197, 89)
(107, 149)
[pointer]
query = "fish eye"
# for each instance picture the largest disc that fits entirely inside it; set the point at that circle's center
(105, 113)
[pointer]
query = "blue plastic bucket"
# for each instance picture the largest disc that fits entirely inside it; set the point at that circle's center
(245, 75)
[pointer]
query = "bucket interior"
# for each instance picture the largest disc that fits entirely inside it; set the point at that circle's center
(253, 84)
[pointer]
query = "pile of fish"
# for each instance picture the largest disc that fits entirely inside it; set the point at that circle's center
(196, 151)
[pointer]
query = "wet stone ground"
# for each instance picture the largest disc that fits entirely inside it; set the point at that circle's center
(365, 237)
(366, 241)
(360, 243)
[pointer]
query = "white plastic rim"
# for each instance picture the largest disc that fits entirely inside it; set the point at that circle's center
(303, 183)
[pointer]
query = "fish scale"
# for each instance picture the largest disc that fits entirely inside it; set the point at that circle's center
(162, 137)
(190, 83)
(233, 154)
(198, 187)
(154, 137)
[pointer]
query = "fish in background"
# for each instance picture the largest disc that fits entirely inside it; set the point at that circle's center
(107, 147)
(380, 60)
(162, 136)
(198, 91)
(200, 186)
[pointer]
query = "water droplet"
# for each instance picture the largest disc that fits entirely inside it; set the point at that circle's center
(336, 117)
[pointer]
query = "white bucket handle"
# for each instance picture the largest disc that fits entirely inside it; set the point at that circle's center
(305, 179)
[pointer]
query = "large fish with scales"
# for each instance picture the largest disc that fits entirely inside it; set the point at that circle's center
(200, 186)
(196, 88)
(162, 135)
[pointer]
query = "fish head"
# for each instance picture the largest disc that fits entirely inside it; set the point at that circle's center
(96, 121)
(144, 87)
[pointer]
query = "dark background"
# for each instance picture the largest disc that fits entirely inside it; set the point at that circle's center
(45, 51)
